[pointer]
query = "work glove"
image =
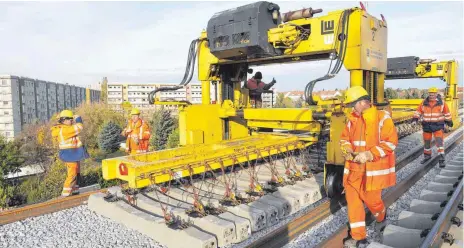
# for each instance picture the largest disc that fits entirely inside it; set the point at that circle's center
(364, 157)
(136, 140)
(273, 81)
(347, 153)
(415, 121)
(269, 85)
(449, 123)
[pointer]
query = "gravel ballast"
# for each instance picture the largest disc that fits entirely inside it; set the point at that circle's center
(313, 236)
(75, 227)
(403, 203)
(80, 227)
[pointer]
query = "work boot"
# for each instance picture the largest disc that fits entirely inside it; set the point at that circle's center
(380, 226)
(425, 159)
(353, 243)
(441, 161)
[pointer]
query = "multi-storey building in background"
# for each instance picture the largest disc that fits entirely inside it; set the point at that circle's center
(137, 95)
(25, 101)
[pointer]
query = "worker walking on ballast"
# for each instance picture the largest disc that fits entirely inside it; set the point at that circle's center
(435, 114)
(72, 151)
(256, 87)
(137, 133)
(368, 142)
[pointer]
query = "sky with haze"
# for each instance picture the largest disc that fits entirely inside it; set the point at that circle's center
(147, 42)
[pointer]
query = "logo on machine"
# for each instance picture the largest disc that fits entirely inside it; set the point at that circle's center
(328, 39)
(439, 67)
(327, 27)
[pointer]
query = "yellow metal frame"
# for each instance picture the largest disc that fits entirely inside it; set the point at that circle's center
(444, 70)
(229, 130)
(162, 166)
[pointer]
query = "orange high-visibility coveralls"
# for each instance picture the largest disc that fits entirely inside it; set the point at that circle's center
(137, 140)
(435, 113)
(71, 152)
(374, 131)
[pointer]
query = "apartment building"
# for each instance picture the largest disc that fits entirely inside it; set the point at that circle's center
(137, 95)
(26, 100)
(269, 99)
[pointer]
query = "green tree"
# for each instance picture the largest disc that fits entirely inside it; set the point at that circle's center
(299, 102)
(109, 137)
(424, 94)
(407, 95)
(104, 90)
(173, 139)
(283, 102)
(279, 100)
(415, 95)
(94, 116)
(10, 162)
(390, 93)
(162, 124)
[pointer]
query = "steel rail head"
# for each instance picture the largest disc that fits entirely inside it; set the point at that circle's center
(433, 237)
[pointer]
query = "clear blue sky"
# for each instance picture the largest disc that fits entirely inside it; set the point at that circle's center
(81, 42)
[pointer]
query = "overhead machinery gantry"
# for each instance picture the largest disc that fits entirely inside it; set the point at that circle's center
(217, 134)
(412, 67)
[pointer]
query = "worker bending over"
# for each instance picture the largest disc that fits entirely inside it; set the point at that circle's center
(72, 151)
(137, 133)
(256, 87)
(435, 113)
(368, 142)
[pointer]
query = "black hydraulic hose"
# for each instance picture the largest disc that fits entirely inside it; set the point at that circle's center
(189, 71)
(341, 58)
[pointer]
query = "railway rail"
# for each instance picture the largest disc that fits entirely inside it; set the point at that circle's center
(283, 235)
(298, 225)
(336, 240)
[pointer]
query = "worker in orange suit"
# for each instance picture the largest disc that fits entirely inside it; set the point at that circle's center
(71, 149)
(256, 87)
(435, 114)
(368, 142)
(137, 133)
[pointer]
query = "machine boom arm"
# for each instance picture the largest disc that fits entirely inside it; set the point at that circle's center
(412, 67)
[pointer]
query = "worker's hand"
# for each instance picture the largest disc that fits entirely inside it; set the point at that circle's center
(449, 123)
(415, 121)
(347, 153)
(136, 139)
(364, 157)
(273, 81)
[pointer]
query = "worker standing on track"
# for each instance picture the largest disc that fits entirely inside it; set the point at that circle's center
(435, 113)
(256, 87)
(368, 142)
(72, 151)
(137, 133)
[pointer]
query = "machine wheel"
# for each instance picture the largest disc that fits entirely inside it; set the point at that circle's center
(334, 184)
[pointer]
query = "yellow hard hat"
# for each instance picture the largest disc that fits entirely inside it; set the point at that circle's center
(354, 93)
(66, 114)
(433, 90)
(135, 111)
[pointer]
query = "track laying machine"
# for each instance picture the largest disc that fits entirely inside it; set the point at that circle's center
(412, 67)
(227, 131)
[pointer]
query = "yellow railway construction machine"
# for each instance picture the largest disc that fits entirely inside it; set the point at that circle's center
(227, 130)
(412, 67)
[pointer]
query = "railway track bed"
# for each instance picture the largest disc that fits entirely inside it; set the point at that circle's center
(244, 225)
